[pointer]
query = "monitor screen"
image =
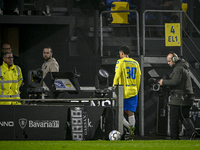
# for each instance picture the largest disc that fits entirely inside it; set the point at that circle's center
(64, 84)
(62, 81)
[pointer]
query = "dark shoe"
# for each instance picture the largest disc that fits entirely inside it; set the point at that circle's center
(193, 136)
(126, 137)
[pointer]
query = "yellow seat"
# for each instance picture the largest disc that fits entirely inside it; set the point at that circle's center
(184, 7)
(121, 17)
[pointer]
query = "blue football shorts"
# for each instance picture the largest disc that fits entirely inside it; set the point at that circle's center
(130, 104)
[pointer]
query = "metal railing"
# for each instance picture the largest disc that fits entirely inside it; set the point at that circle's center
(159, 11)
(181, 13)
(101, 28)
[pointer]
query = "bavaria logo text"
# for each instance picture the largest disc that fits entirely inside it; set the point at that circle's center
(43, 123)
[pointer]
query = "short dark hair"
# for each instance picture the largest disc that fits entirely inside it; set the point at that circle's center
(125, 49)
(4, 54)
(47, 46)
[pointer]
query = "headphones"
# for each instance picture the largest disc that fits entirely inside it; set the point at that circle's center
(174, 57)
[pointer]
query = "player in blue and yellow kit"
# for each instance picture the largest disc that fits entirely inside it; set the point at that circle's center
(127, 73)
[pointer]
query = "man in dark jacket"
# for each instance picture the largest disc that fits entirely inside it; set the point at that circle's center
(182, 96)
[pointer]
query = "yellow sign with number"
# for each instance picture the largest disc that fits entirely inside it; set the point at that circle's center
(172, 34)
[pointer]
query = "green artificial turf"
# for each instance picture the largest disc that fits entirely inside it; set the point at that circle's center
(101, 145)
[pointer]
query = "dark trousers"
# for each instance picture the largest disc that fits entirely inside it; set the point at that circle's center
(180, 113)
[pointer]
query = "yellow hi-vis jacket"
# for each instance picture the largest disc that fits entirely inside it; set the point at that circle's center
(10, 82)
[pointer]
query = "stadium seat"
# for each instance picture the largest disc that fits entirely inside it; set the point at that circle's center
(120, 18)
(184, 5)
(126, 5)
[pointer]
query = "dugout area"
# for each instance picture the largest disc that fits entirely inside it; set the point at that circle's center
(63, 119)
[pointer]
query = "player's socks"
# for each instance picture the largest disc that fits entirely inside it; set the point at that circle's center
(126, 124)
(131, 120)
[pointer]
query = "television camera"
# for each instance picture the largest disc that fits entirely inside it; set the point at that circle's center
(35, 83)
(163, 93)
(155, 86)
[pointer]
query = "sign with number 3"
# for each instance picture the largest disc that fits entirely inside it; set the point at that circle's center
(172, 34)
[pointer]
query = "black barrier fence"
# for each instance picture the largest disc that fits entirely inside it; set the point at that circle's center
(27, 122)
(62, 119)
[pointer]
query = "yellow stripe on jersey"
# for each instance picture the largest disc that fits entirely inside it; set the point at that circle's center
(127, 73)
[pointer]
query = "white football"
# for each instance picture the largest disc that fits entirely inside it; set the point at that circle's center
(114, 135)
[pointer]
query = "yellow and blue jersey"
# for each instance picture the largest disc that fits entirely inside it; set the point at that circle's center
(127, 73)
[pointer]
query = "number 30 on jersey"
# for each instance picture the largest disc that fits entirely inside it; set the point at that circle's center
(131, 72)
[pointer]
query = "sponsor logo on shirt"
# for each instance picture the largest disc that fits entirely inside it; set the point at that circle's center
(131, 85)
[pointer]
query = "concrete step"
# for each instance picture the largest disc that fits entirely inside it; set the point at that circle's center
(91, 34)
(118, 41)
(107, 29)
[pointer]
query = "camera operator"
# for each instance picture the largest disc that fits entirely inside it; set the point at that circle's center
(181, 97)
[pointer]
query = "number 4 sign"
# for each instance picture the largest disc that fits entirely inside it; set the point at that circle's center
(172, 34)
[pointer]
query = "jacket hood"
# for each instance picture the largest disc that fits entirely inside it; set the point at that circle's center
(182, 63)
